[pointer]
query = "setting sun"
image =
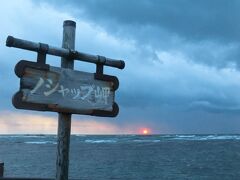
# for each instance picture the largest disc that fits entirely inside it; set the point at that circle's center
(145, 131)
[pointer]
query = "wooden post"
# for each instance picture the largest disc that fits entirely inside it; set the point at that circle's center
(64, 119)
(1, 169)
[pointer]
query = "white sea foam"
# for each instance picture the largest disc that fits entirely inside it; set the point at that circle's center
(186, 136)
(146, 140)
(101, 141)
(40, 142)
(80, 135)
(18, 136)
(24, 136)
(221, 137)
(206, 137)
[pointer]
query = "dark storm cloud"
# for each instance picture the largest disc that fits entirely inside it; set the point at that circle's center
(194, 20)
(208, 31)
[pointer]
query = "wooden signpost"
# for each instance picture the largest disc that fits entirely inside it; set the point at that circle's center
(48, 88)
(64, 90)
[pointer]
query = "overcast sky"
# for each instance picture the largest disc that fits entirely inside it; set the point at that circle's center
(182, 62)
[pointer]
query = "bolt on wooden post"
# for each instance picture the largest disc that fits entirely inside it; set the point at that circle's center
(64, 119)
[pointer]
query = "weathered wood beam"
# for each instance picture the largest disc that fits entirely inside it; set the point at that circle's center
(64, 119)
(63, 52)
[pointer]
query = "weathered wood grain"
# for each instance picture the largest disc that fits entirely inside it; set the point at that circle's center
(66, 89)
(64, 119)
(64, 52)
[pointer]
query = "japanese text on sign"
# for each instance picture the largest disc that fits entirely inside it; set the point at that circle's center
(78, 93)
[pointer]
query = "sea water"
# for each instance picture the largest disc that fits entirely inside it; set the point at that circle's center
(125, 156)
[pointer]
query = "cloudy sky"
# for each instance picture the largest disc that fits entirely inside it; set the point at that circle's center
(182, 57)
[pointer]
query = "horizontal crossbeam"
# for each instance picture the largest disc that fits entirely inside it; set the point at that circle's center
(67, 53)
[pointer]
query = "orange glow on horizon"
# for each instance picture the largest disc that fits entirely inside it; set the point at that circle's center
(26, 123)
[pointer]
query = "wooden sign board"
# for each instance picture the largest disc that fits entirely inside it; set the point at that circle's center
(48, 88)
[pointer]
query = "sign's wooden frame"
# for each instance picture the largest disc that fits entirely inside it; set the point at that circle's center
(18, 102)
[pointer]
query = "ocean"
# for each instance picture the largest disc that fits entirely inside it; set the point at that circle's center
(150, 157)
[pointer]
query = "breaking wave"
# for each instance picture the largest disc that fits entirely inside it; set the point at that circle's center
(40, 142)
(100, 141)
(206, 137)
